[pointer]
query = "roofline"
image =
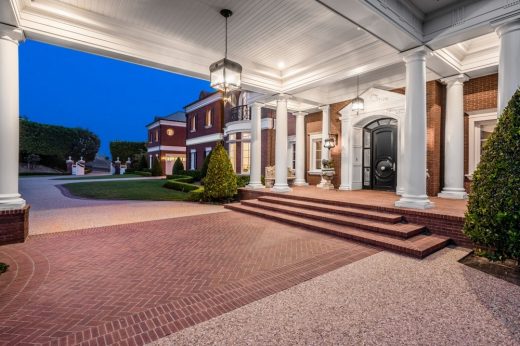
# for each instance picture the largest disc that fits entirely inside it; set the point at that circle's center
(207, 96)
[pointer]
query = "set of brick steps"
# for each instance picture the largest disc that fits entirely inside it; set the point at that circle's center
(386, 230)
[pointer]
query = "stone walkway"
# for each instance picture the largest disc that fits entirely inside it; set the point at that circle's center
(385, 299)
(135, 283)
(52, 212)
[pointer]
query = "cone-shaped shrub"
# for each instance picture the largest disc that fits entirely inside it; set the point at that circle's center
(204, 170)
(156, 167)
(220, 183)
(178, 166)
(493, 215)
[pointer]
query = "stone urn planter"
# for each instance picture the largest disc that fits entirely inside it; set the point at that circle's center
(327, 174)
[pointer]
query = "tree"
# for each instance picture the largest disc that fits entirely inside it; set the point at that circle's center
(85, 144)
(156, 167)
(220, 183)
(143, 165)
(127, 149)
(493, 217)
(178, 166)
(204, 170)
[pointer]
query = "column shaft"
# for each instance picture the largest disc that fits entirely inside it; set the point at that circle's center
(280, 174)
(346, 127)
(300, 150)
(255, 177)
(508, 66)
(325, 133)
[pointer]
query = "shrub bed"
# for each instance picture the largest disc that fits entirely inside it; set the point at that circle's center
(143, 174)
(180, 186)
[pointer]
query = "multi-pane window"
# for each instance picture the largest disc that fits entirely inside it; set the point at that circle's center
(246, 157)
(193, 159)
(293, 155)
(316, 146)
(317, 154)
(157, 135)
(232, 150)
(208, 121)
(193, 123)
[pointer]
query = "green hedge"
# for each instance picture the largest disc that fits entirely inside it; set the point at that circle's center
(180, 186)
(493, 218)
(143, 174)
(196, 195)
(181, 178)
(54, 144)
(242, 180)
(126, 149)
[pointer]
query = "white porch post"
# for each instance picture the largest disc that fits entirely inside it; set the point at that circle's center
(255, 177)
(300, 149)
(280, 171)
(414, 195)
(454, 139)
(10, 198)
(508, 67)
(346, 130)
(325, 132)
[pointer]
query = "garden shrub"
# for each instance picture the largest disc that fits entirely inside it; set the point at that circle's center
(127, 149)
(180, 186)
(242, 180)
(3, 267)
(192, 173)
(178, 167)
(493, 216)
(156, 167)
(181, 178)
(204, 170)
(142, 164)
(143, 174)
(220, 183)
(196, 195)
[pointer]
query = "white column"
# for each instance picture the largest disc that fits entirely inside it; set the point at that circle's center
(508, 66)
(9, 118)
(346, 145)
(280, 171)
(255, 177)
(401, 158)
(454, 139)
(414, 195)
(325, 132)
(300, 149)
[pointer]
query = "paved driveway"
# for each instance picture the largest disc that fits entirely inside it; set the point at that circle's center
(52, 212)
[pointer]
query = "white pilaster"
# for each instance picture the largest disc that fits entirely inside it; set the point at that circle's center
(325, 133)
(508, 66)
(255, 176)
(10, 198)
(346, 145)
(300, 149)
(280, 171)
(401, 159)
(414, 194)
(454, 139)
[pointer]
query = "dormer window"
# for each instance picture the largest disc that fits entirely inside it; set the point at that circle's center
(193, 123)
(208, 121)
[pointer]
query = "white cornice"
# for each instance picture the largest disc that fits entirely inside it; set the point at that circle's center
(166, 122)
(166, 148)
(205, 139)
(204, 102)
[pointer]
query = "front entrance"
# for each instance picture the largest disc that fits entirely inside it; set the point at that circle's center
(380, 155)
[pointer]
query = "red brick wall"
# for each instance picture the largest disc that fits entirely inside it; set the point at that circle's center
(435, 105)
(217, 108)
(14, 225)
(200, 148)
(178, 138)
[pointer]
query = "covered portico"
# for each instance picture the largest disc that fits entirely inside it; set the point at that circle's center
(300, 57)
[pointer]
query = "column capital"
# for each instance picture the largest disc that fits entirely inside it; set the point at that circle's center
(11, 33)
(417, 53)
(257, 104)
(300, 114)
(506, 27)
(324, 108)
(282, 97)
(456, 79)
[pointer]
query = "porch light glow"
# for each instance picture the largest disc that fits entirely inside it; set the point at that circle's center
(358, 104)
(329, 143)
(225, 75)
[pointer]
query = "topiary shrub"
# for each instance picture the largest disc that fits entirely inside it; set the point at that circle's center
(220, 183)
(178, 167)
(493, 215)
(196, 195)
(156, 167)
(204, 170)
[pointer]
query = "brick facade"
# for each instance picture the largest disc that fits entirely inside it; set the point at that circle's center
(14, 225)
(435, 108)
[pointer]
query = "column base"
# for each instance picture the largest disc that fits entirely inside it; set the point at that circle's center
(14, 225)
(280, 188)
(255, 186)
(325, 186)
(453, 194)
(9, 202)
(414, 202)
(300, 183)
(345, 188)
(399, 191)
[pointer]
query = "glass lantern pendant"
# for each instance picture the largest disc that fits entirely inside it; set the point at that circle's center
(358, 104)
(225, 75)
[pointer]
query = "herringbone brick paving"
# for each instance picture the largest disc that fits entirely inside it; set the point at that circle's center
(134, 283)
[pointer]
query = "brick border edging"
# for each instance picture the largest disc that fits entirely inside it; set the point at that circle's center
(14, 225)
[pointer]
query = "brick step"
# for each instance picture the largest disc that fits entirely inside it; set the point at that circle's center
(418, 246)
(326, 207)
(401, 230)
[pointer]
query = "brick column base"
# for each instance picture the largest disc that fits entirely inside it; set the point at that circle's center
(14, 225)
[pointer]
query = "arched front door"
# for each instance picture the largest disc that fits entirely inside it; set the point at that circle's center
(380, 155)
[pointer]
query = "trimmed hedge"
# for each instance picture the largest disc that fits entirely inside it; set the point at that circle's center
(493, 217)
(196, 195)
(180, 186)
(143, 174)
(126, 149)
(220, 184)
(181, 178)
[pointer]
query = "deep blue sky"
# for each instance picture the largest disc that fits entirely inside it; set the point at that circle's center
(112, 98)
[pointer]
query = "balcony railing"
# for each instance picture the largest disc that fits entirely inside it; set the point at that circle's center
(240, 113)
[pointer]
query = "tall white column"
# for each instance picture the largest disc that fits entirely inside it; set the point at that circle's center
(414, 195)
(10, 198)
(325, 133)
(346, 138)
(508, 66)
(255, 176)
(280, 171)
(454, 139)
(300, 149)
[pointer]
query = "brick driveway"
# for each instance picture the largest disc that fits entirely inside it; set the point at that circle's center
(135, 283)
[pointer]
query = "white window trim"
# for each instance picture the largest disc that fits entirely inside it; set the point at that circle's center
(207, 150)
(242, 157)
(312, 154)
(192, 161)
(290, 141)
(474, 136)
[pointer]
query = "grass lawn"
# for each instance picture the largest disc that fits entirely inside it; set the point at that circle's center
(147, 190)
(101, 177)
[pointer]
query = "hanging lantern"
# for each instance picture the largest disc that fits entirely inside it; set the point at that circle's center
(225, 75)
(330, 142)
(358, 104)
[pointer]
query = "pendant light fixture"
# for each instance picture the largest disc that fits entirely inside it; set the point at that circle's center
(225, 75)
(358, 104)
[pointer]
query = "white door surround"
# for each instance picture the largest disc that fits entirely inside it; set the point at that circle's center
(378, 104)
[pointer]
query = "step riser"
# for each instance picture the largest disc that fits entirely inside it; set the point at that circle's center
(294, 203)
(387, 246)
(336, 221)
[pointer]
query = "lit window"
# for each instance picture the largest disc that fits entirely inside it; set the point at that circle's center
(480, 128)
(170, 132)
(315, 154)
(209, 118)
(193, 124)
(246, 157)
(292, 155)
(157, 135)
(233, 155)
(193, 159)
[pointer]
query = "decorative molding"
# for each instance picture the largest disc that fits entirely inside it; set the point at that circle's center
(205, 139)
(11, 33)
(166, 148)
(166, 122)
(204, 102)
